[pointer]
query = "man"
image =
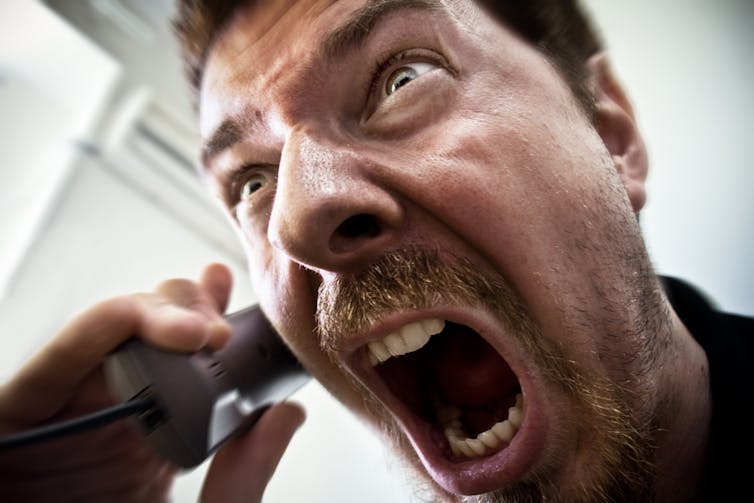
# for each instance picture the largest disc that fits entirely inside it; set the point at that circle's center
(438, 203)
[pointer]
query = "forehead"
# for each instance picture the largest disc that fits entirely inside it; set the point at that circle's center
(265, 42)
(262, 30)
(258, 36)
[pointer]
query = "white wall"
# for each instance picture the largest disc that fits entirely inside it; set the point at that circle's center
(40, 119)
(689, 67)
(111, 232)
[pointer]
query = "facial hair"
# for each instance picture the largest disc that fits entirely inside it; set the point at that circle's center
(619, 467)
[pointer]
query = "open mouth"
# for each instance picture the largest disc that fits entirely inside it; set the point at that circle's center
(455, 383)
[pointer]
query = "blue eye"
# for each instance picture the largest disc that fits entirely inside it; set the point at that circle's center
(405, 74)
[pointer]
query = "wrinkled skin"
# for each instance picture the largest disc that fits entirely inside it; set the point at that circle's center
(481, 153)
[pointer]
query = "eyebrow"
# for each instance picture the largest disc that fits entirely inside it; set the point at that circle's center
(225, 136)
(357, 28)
(347, 37)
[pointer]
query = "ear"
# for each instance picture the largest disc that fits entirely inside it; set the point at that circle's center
(616, 125)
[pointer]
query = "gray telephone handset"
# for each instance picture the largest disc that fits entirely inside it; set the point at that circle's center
(202, 399)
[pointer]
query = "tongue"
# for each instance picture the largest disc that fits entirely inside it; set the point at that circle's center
(468, 371)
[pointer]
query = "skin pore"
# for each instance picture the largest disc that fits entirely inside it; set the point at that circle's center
(391, 162)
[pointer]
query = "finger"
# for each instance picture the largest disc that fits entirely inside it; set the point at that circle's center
(180, 315)
(217, 281)
(185, 302)
(60, 366)
(241, 470)
(183, 327)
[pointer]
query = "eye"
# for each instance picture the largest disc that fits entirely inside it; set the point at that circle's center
(405, 74)
(252, 184)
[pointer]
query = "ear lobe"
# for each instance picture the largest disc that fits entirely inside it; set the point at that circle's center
(616, 125)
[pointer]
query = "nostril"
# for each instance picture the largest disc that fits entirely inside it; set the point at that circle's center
(353, 230)
(362, 225)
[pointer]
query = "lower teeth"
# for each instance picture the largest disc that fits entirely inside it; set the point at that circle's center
(498, 435)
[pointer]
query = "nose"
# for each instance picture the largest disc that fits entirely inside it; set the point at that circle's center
(332, 209)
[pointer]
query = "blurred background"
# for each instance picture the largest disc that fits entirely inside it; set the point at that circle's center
(98, 193)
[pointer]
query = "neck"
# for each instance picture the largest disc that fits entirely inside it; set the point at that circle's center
(684, 412)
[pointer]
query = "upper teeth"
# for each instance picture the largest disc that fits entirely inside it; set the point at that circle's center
(406, 340)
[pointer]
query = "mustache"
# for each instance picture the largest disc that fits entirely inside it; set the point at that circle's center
(411, 278)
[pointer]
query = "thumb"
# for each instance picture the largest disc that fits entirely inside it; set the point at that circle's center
(240, 471)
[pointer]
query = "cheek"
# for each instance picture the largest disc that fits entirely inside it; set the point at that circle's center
(517, 185)
(488, 172)
(532, 163)
(285, 290)
(287, 294)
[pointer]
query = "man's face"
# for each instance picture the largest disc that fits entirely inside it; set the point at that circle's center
(437, 230)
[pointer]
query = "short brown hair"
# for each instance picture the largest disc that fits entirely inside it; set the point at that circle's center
(561, 29)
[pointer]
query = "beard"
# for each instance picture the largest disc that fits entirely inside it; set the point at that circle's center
(616, 463)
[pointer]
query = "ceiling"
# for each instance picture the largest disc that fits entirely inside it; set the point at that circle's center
(138, 34)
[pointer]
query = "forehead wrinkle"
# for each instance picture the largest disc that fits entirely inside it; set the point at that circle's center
(239, 45)
(348, 36)
(352, 34)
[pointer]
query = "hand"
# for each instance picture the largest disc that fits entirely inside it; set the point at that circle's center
(64, 380)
